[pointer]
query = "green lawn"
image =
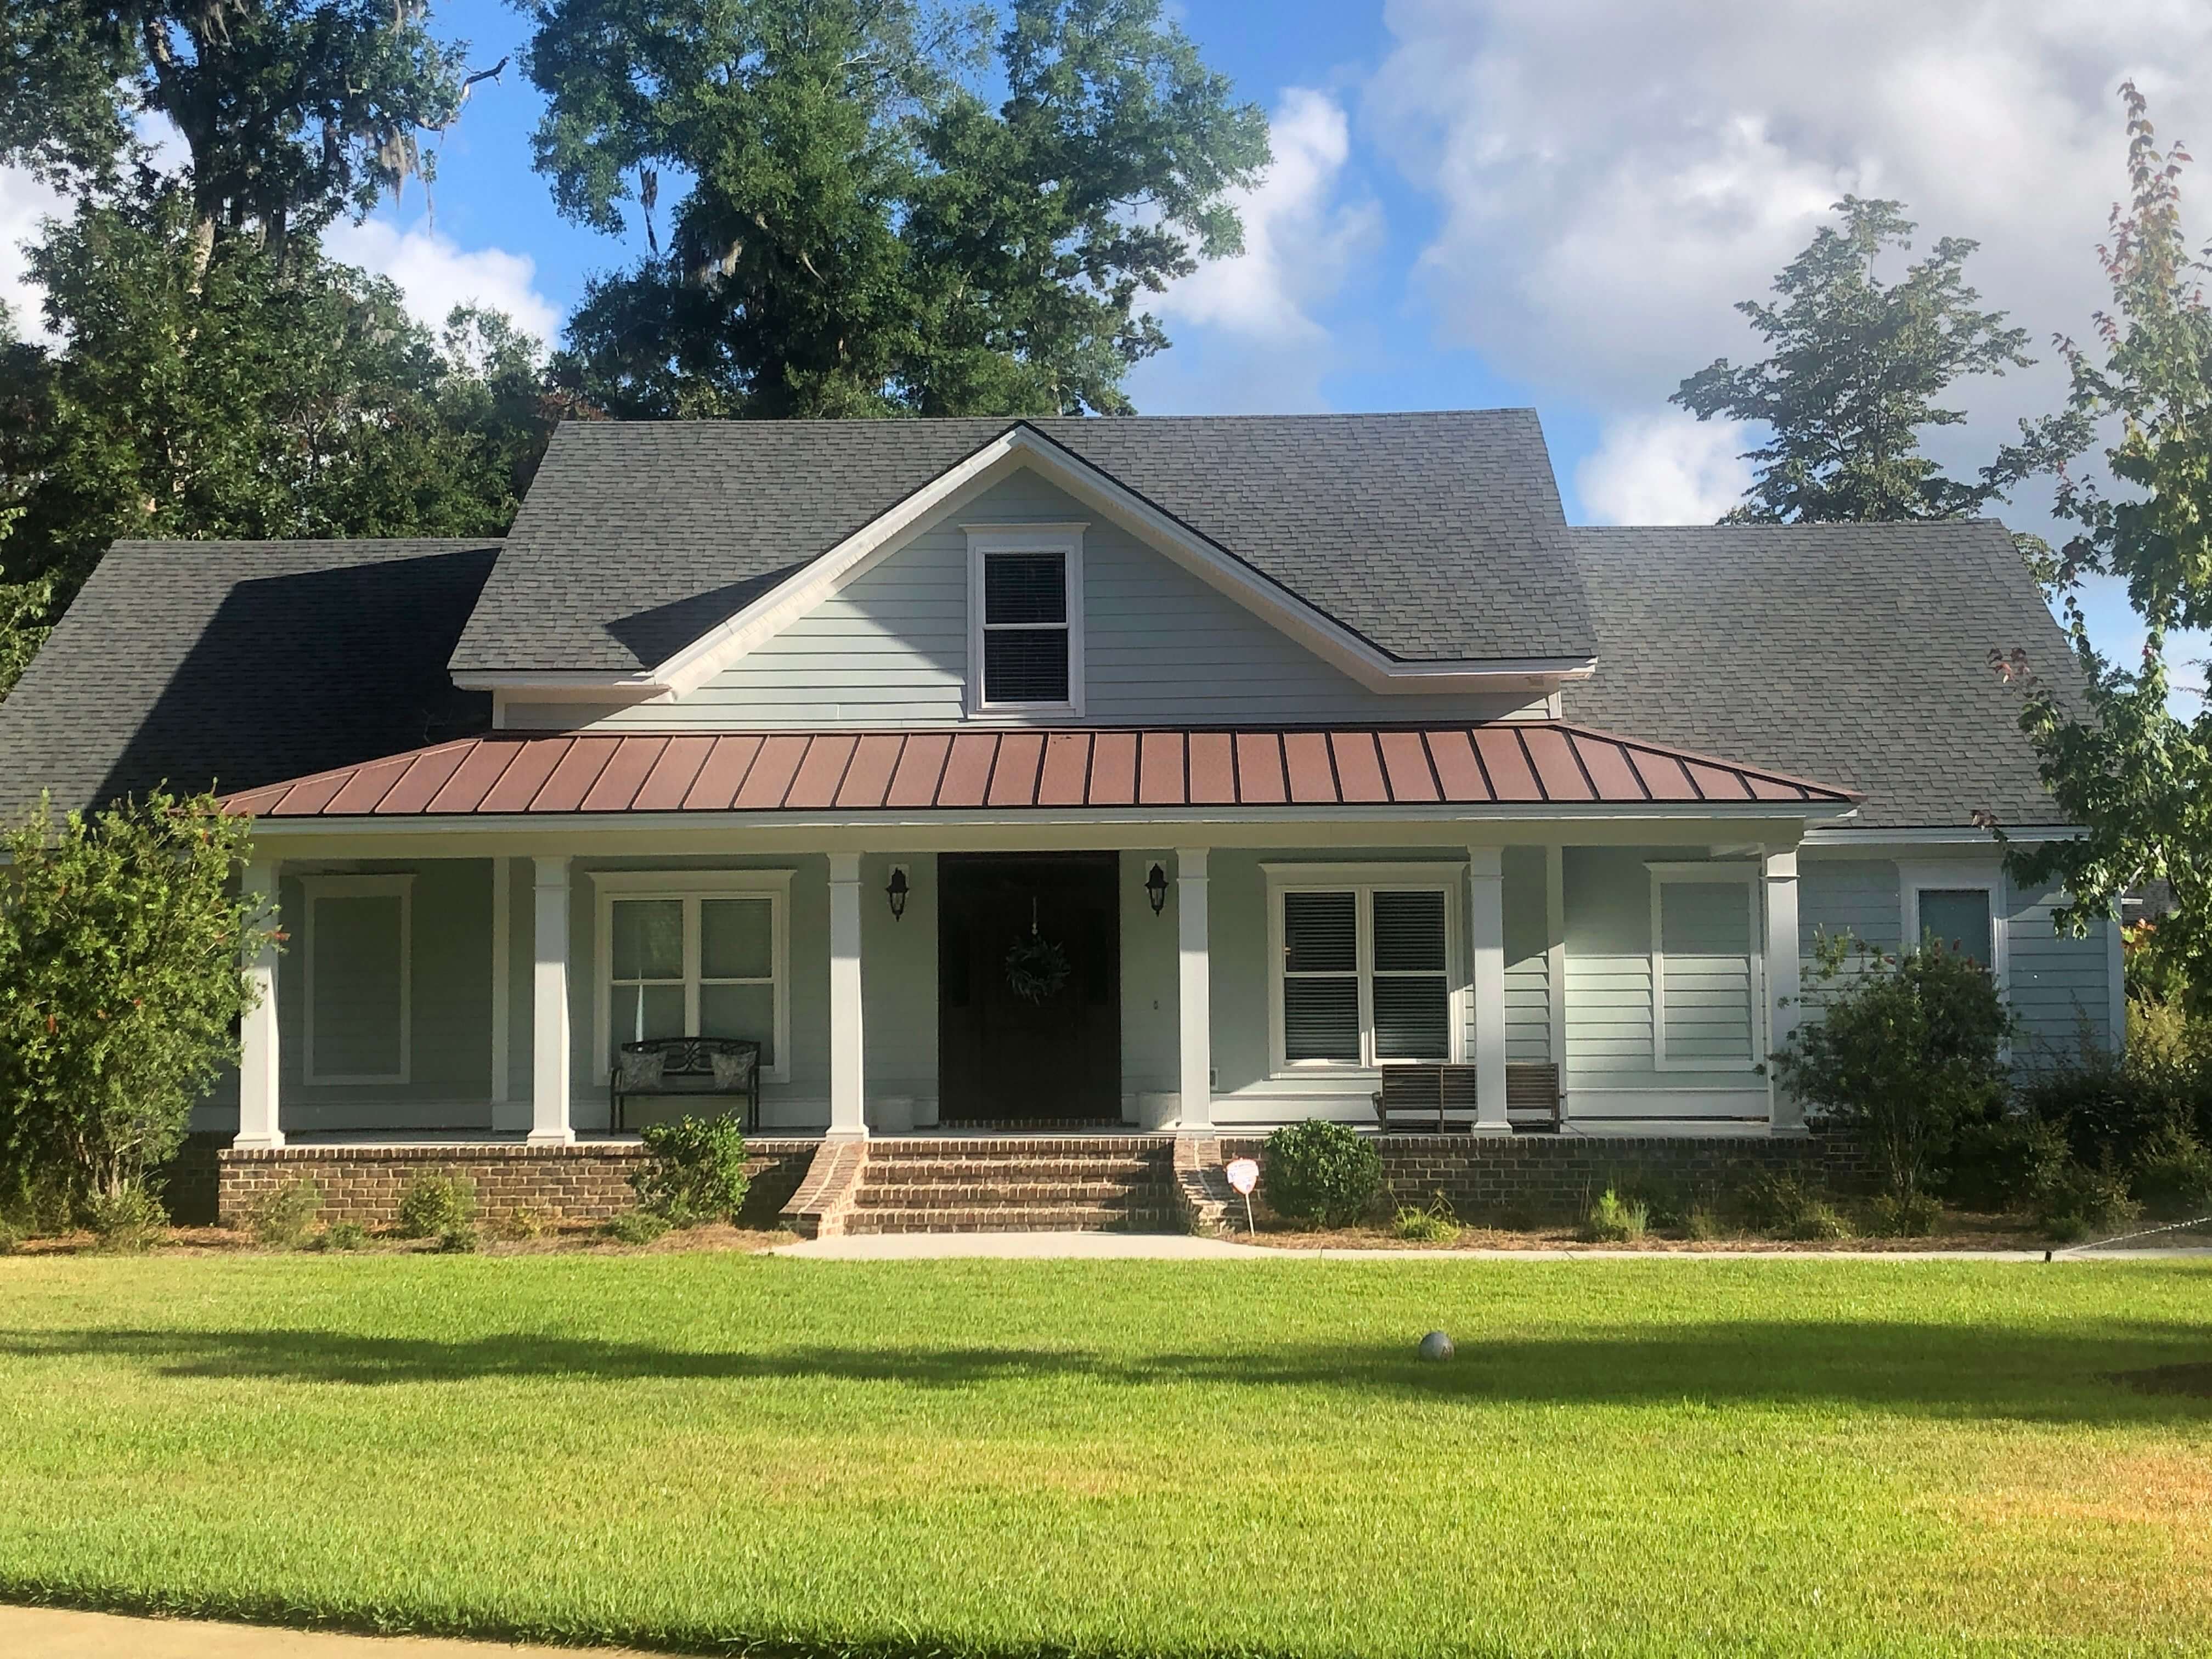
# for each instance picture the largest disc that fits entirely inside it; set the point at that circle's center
(1006, 1458)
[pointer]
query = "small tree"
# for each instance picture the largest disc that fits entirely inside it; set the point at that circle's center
(1903, 1051)
(121, 939)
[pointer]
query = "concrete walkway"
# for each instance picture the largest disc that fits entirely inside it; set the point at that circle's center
(1171, 1247)
(54, 1633)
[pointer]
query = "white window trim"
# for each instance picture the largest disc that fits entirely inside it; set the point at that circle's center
(1711, 872)
(1914, 879)
(315, 889)
(1066, 540)
(691, 885)
(1364, 881)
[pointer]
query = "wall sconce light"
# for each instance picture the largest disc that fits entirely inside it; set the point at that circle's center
(896, 891)
(1156, 889)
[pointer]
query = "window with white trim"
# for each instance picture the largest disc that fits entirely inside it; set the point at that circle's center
(1366, 967)
(357, 979)
(1962, 906)
(1025, 608)
(694, 953)
(1707, 996)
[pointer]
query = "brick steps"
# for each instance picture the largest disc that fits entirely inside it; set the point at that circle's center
(1017, 1183)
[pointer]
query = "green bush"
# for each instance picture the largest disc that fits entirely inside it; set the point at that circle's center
(35, 1203)
(637, 1226)
(1437, 1224)
(11, 1236)
(1615, 1220)
(434, 1205)
(525, 1221)
(1782, 1205)
(341, 1235)
(2082, 1202)
(1322, 1172)
(1905, 1051)
(2114, 1111)
(2172, 1180)
(460, 1239)
(1916, 1215)
(128, 1221)
(1705, 1224)
(282, 1219)
(2002, 1164)
(694, 1171)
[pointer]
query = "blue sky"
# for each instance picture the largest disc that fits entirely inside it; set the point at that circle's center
(1552, 203)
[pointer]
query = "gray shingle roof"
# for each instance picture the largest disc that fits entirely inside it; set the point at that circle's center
(242, 663)
(1854, 654)
(1433, 536)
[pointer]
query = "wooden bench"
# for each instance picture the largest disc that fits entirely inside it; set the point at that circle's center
(662, 1066)
(1437, 1097)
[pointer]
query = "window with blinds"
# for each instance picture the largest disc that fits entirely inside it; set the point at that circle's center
(1365, 975)
(1025, 629)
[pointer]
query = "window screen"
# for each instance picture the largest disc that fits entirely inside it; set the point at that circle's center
(1960, 918)
(1026, 644)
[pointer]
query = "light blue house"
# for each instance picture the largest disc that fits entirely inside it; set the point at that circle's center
(1167, 773)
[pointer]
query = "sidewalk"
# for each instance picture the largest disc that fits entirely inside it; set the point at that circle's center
(56, 1633)
(1171, 1247)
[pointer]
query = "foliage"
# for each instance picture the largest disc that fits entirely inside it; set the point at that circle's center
(1916, 1215)
(1705, 1224)
(2116, 757)
(637, 1226)
(2172, 1177)
(24, 610)
(461, 1238)
(694, 1171)
(433, 1205)
(525, 1221)
(1784, 1205)
(121, 943)
(2001, 1163)
(1615, 1220)
(1322, 1172)
(1437, 1223)
(885, 209)
(1905, 1050)
(341, 1236)
(2081, 1202)
(126, 1219)
(282, 1219)
(2112, 1110)
(1855, 370)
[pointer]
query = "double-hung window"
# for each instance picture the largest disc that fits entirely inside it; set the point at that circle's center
(1366, 962)
(1026, 606)
(1958, 905)
(694, 953)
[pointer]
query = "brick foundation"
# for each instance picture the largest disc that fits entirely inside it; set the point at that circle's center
(1540, 1177)
(581, 1183)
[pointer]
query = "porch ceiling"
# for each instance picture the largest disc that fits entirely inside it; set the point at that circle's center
(1504, 764)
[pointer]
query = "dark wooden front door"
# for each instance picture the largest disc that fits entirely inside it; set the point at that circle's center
(1053, 1053)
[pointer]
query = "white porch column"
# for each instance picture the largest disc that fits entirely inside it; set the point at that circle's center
(847, 1083)
(1783, 972)
(258, 1070)
(1555, 965)
(1485, 909)
(1194, 1003)
(548, 1025)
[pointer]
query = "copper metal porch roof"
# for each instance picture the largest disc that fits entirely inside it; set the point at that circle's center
(1498, 764)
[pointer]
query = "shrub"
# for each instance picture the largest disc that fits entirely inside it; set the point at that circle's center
(1785, 1207)
(1904, 1051)
(1704, 1223)
(434, 1205)
(524, 1222)
(120, 935)
(1615, 1220)
(283, 1219)
(1322, 1172)
(2172, 1180)
(11, 1238)
(1916, 1215)
(2112, 1110)
(637, 1226)
(341, 1236)
(694, 1171)
(2081, 1203)
(2003, 1163)
(35, 1203)
(1437, 1224)
(128, 1221)
(459, 1239)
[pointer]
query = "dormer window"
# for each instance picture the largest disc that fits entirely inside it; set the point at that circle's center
(1025, 619)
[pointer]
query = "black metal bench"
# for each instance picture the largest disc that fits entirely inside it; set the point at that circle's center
(662, 1066)
(1437, 1096)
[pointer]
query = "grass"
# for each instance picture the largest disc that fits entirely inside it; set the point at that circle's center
(722, 1452)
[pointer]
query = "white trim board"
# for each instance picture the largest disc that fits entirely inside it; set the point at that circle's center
(1064, 540)
(1023, 446)
(1963, 876)
(313, 889)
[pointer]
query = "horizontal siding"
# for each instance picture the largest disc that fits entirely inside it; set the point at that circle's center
(1527, 964)
(891, 647)
(1705, 977)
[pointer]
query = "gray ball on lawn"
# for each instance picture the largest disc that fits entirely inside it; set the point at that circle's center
(1436, 1346)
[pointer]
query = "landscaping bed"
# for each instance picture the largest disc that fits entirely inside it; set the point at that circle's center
(712, 1452)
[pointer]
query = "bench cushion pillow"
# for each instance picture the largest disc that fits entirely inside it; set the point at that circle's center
(733, 1068)
(640, 1068)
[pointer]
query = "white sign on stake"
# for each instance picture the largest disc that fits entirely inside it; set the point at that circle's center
(1245, 1175)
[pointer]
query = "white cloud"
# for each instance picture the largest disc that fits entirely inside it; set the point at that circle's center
(1663, 469)
(1300, 240)
(436, 274)
(23, 203)
(1612, 175)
